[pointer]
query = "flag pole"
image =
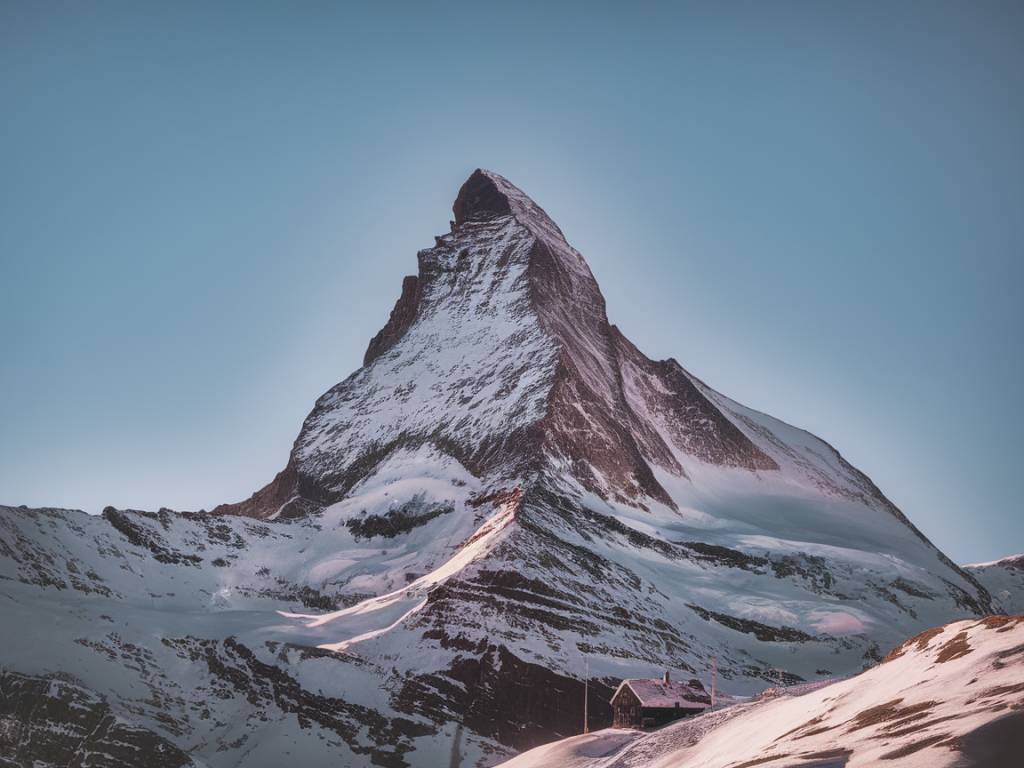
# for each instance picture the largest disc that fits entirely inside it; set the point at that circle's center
(586, 697)
(714, 672)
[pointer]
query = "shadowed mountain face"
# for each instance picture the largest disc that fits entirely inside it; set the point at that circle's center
(506, 487)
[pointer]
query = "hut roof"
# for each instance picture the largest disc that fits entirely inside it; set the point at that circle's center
(658, 693)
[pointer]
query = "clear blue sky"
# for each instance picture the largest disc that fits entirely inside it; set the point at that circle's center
(206, 211)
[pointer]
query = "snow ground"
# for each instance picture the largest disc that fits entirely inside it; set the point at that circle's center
(804, 568)
(911, 711)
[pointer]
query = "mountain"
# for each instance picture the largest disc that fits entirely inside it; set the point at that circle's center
(952, 696)
(1004, 579)
(506, 492)
(53, 721)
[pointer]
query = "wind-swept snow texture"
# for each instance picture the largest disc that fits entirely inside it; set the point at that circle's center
(506, 487)
(952, 696)
(1004, 579)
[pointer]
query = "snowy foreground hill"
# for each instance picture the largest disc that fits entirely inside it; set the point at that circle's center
(952, 696)
(507, 490)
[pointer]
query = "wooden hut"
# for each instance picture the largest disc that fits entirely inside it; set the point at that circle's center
(641, 703)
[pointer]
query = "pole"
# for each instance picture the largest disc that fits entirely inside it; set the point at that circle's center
(586, 697)
(714, 671)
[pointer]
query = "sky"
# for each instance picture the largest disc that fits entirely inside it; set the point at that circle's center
(206, 211)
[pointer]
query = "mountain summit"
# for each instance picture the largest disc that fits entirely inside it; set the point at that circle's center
(500, 350)
(639, 516)
(506, 493)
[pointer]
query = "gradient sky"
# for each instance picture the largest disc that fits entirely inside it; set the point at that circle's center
(206, 211)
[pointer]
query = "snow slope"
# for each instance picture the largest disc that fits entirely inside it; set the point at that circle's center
(506, 491)
(180, 624)
(707, 524)
(1004, 579)
(951, 696)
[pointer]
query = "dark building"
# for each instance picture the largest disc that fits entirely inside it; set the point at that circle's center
(650, 703)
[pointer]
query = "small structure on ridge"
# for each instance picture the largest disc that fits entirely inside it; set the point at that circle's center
(641, 703)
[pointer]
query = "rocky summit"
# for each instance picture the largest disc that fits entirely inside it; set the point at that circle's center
(506, 493)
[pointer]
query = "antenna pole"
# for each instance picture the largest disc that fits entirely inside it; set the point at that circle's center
(586, 698)
(714, 671)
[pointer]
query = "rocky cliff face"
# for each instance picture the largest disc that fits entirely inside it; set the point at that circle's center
(53, 721)
(506, 488)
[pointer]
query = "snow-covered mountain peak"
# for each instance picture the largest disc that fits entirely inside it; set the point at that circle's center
(631, 477)
(499, 352)
(486, 195)
(506, 486)
(494, 351)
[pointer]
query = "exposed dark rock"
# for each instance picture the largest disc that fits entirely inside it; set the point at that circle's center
(812, 570)
(141, 536)
(695, 424)
(237, 671)
(760, 631)
(51, 722)
(398, 323)
(719, 555)
(499, 695)
(397, 521)
(288, 496)
(480, 199)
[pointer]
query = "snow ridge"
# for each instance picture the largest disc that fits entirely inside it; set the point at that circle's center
(506, 493)
(944, 698)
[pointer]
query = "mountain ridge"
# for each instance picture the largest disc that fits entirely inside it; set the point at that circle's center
(590, 424)
(507, 490)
